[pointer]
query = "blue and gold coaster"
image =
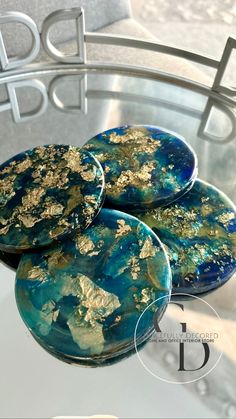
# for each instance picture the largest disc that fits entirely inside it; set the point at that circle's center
(47, 193)
(144, 166)
(82, 300)
(199, 234)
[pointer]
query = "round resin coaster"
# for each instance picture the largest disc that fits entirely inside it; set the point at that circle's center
(82, 299)
(144, 166)
(199, 234)
(46, 193)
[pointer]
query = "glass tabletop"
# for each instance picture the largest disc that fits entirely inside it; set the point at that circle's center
(68, 106)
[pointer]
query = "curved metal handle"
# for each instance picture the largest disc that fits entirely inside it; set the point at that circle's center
(76, 14)
(10, 63)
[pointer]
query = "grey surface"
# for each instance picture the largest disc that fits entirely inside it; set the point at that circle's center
(202, 26)
(98, 13)
(166, 63)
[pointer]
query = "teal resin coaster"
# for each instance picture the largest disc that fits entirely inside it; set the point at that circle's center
(199, 234)
(82, 300)
(144, 166)
(47, 193)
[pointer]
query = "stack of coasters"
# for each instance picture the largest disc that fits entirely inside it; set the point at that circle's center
(153, 173)
(83, 279)
(86, 273)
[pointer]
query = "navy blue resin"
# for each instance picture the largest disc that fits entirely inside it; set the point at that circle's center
(144, 166)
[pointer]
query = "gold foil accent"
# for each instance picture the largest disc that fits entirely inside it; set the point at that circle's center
(41, 151)
(23, 166)
(88, 212)
(4, 230)
(148, 249)
(3, 221)
(226, 217)
(32, 198)
(55, 179)
(85, 323)
(144, 298)
(47, 315)
(57, 260)
(139, 179)
(135, 267)
(84, 244)
(52, 209)
(28, 220)
(138, 139)
(36, 273)
(206, 210)
(7, 187)
(122, 228)
(8, 169)
(73, 160)
(177, 219)
(60, 229)
(90, 199)
(88, 175)
(106, 169)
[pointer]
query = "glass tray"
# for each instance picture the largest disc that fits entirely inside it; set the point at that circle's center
(65, 104)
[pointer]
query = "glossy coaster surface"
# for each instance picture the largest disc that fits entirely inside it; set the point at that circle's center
(199, 234)
(46, 193)
(144, 166)
(82, 299)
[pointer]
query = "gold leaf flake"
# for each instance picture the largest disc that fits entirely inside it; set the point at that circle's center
(88, 175)
(4, 230)
(37, 273)
(107, 169)
(122, 228)
(148, 249)
(206, 210)
(24, 165)
(48, 314)
(32, 198)
(55, 179)
(3, 221)
(57, 231)
(144, 298)
(52, 209)
(84, 244)
(135, 267)
(28, 220)
(73, 160)
(7, 185)
(226, 217)
(58, 260)
(138, 138)
(90, 199)
(139, 179)
(85, 323)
